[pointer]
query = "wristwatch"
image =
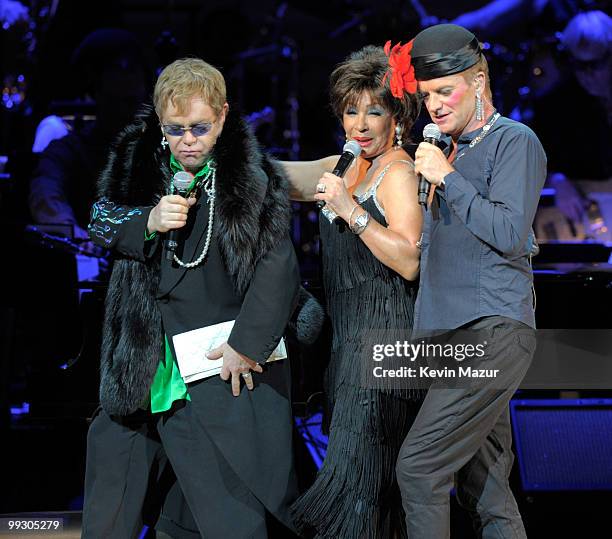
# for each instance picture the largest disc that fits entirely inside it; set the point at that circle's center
(360, 224)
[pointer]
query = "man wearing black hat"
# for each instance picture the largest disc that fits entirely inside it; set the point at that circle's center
(475, 277)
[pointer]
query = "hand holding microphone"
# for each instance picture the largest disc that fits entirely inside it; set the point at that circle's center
(430, 163)
(170, 213)
(181, 182)
(350, 151)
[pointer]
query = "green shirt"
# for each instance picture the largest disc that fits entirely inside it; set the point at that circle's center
(168, 385)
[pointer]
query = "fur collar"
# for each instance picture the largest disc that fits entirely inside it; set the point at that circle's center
(253, 208)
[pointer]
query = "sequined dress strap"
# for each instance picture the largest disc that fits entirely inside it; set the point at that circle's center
(371, 192)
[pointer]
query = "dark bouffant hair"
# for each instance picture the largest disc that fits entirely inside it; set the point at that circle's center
(364, 71)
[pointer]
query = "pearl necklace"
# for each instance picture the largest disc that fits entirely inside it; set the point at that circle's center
(208, 184)
(485, 130)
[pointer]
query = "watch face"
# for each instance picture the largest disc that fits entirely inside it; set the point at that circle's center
(360, 223)
(361, 219)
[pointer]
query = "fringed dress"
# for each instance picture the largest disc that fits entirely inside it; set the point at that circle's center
(355, 494)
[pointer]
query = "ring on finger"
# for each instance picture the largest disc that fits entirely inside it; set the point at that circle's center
(320, 188)
(246, 375)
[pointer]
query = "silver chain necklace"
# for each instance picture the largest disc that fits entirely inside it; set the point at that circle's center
(208, 185)
(485, 130)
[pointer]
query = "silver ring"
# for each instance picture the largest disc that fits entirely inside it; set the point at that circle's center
(320, 188)
(246, 375)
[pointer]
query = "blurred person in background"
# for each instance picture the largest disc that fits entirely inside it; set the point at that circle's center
(581, 152)
(110, 65)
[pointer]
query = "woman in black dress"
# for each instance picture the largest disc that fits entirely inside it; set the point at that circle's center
(370, 267)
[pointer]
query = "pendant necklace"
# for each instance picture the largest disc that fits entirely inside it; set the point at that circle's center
(485, 130)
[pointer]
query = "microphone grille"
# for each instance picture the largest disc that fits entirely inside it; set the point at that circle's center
(432, 131)
(352, 147)
(182, 180)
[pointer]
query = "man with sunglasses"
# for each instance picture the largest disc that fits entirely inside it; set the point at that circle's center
(229, 446)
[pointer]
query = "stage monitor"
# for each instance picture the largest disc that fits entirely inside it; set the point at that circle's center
(563, 444)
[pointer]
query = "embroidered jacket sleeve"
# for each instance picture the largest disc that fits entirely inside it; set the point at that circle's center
(268, 303)
(122, 229)
(518, 172)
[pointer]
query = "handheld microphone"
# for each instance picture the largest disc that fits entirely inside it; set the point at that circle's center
(181, 182)
(431, 134)
(350, 151)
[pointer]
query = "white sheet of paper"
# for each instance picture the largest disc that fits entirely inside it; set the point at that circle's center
(192, 346)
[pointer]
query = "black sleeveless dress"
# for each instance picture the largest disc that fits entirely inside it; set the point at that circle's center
(355, 494)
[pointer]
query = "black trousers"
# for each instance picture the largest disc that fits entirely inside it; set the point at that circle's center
(464, 434)
(128, 478)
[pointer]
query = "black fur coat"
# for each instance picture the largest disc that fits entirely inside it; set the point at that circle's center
(252, 215)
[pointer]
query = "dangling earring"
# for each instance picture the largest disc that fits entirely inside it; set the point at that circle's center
(164, 142)
(479, 111)
(398, 135)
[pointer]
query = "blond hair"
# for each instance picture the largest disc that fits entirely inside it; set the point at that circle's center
(187, 78)
(470, 73)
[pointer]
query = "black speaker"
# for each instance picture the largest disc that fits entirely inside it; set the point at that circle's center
(563, 445)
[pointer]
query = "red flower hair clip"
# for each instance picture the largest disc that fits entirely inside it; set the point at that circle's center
(401, 69)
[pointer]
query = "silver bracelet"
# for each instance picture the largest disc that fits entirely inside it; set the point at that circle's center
(351, 214)
(361, 223)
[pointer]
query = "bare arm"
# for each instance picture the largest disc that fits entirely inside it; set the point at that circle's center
(395, 244)
(304, 176)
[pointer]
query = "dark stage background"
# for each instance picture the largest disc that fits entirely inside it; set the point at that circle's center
(276, 57)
